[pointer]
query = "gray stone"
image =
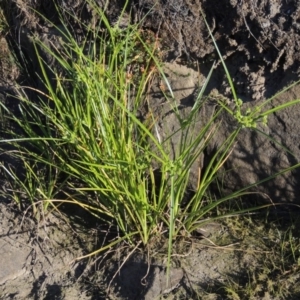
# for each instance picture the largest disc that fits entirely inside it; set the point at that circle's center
(254, 156)
(161, 284)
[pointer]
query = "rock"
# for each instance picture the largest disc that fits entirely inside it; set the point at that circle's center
(254, 156)
(159, 286)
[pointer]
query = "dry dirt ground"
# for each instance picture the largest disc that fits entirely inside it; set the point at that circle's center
(38, 261)
(242, 258)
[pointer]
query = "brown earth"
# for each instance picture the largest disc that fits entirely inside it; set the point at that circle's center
(259, 40)
(260, 44)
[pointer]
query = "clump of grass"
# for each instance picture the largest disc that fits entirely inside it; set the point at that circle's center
(82, 141)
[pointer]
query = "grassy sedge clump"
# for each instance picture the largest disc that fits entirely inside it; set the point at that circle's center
(82, 141)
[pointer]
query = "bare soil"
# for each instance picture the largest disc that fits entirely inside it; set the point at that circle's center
(258, 39)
